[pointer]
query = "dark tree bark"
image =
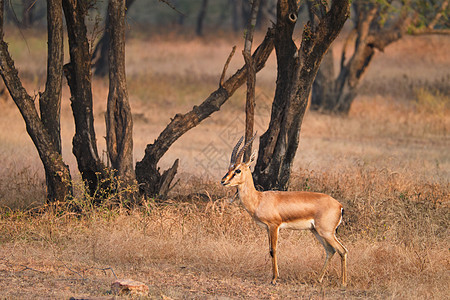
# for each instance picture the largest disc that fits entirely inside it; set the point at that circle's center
(50, 99)
(297, 69)
(43, 131)
(119, 124)
(100, 55)
(201, 17)
(79, 76)
(147, 173)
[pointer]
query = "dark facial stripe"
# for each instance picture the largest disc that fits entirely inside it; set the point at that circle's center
(227, 177)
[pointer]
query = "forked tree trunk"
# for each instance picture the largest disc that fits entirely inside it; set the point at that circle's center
(297, 69)
(79, 76)
(119, 124)
(151, 182)
(336, 94)
(43, 131)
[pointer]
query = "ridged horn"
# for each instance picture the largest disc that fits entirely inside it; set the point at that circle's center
(235, 150)
(241, 152)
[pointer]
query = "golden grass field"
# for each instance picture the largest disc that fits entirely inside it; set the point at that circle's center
(388, 163)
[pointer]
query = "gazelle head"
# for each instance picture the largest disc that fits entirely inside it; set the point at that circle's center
(238, 170)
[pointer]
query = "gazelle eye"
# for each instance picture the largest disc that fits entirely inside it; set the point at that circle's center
(237, 171)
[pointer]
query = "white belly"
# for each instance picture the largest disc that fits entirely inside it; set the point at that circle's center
(298, 224)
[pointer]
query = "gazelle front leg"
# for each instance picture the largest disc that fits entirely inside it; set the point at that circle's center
(273, 239)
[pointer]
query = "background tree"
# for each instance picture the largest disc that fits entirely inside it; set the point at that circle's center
(201, 17)
(236, 14)
(297, 68)
(376, 25)
(44, 130)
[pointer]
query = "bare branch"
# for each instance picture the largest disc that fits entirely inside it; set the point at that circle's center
(251, 78)
(169, 4)
(31, 269)
(104, 270)
(225, 67)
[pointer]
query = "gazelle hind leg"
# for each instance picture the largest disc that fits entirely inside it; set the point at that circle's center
(329, 253)
(336, 244)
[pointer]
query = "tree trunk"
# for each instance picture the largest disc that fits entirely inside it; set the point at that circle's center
(100, 55)
(273, 140)
(119, 124)
(201, 17)
(236, 11)
(322, 89)
(147, 173)
(297, 69)
(78, 74)
(50, 99)
(48, 144)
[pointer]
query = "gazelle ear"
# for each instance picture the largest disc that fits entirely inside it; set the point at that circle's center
(252, 158)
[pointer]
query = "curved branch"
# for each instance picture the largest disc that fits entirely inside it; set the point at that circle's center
(182, 123)
(147, 173)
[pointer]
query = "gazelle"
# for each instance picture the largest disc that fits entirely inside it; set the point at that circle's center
(274, 210)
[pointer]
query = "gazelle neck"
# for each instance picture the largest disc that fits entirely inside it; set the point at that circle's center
(248, 195)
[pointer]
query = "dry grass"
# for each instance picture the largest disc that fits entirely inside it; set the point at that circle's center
(397, 244)
(388, 163)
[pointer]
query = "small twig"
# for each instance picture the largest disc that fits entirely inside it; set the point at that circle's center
(31, 269)
(225, 67)
(104, 270)
(73, 271)
(172, 6)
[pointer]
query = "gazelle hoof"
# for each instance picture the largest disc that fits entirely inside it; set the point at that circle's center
(274, 282)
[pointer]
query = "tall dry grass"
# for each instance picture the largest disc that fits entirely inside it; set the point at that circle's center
(397, 240)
